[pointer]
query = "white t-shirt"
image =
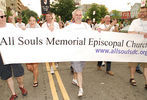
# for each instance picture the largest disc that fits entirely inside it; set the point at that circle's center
(104, 26)
(56, 25)
(18, 25)
(138, 25)
(81, 26)
(8, 26)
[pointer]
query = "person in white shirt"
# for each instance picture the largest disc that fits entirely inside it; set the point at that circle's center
(78, 65)
(6, 71)
(51, 25)
(107, 26)
(138, 26)
(19, 23)
(33, 67)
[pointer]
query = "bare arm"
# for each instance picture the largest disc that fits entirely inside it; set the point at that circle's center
(133, 32)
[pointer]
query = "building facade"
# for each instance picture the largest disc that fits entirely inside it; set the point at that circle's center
(126, 15)
(3, 5)
(134, 10)
(15, 5)
(78, 2)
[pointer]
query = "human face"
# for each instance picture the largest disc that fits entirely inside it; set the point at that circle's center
(107, 20)
(32, 22)
(143, 13)
(2, 19)
(10, 19)
(78, 17)
(49, 18)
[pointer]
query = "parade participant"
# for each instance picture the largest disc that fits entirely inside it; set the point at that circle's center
(7, 70)
(51, 25)
(107, 27)
(139, 26)
(78, 65)
(33, 67)
(19, 23)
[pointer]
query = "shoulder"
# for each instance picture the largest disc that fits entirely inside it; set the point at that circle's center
(44, 24)
(56, 24)
(136, 21)
(37, 25)
(9, 25)
(23, 23)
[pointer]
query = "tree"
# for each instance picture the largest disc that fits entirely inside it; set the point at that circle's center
(63, 8)
(115, 14)
(26, 14)
(96, 11)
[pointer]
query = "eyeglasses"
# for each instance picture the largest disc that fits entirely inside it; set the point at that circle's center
(3, 16)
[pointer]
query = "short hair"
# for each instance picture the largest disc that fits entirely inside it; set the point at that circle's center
(76, 11)
(1, 10)
(107, 16)
(48, 12)
(33, 17)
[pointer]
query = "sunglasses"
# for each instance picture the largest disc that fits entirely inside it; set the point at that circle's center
(3, 16)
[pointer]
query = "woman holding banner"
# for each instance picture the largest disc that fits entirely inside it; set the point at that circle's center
(33, 67)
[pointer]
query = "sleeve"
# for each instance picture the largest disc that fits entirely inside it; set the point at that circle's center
(56, 25)
(27, 26)
(132, 26)
(44, 25)
(102, 26)
(37, 25)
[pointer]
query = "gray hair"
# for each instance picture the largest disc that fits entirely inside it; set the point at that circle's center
(2, 11)
(76, 11)
(107, 16)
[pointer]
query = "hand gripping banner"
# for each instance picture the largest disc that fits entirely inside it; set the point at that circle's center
(41, 45)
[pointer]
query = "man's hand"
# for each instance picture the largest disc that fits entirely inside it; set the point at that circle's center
(145, 35)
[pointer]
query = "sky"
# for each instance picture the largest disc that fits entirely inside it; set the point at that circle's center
(120, 5)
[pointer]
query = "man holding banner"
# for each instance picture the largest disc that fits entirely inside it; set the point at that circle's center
(139, 26)
(78, 65)
(6, 71)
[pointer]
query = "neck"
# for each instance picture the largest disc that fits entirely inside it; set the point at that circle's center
(77, 22)
(49, 22)
(32, 26)
(107, 23)
(2, 25)
(144, 19)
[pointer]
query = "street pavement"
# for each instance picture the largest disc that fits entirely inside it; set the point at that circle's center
(97, 85)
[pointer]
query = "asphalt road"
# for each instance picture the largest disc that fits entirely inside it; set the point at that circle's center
(97, 85)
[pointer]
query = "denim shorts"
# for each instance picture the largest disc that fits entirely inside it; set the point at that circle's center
(6, 71)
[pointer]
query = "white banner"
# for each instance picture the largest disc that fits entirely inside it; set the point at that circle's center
(40, 45)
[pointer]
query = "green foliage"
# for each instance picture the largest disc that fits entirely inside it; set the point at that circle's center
(26, 14)
(100, 12)
(63, 8)
(115, 14)
(8, 12)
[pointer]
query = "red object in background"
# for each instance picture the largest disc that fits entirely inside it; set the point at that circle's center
(126, 15)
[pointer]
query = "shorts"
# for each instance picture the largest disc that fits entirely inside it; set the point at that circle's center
(134, 64)
(78, 66)
(6, 71)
